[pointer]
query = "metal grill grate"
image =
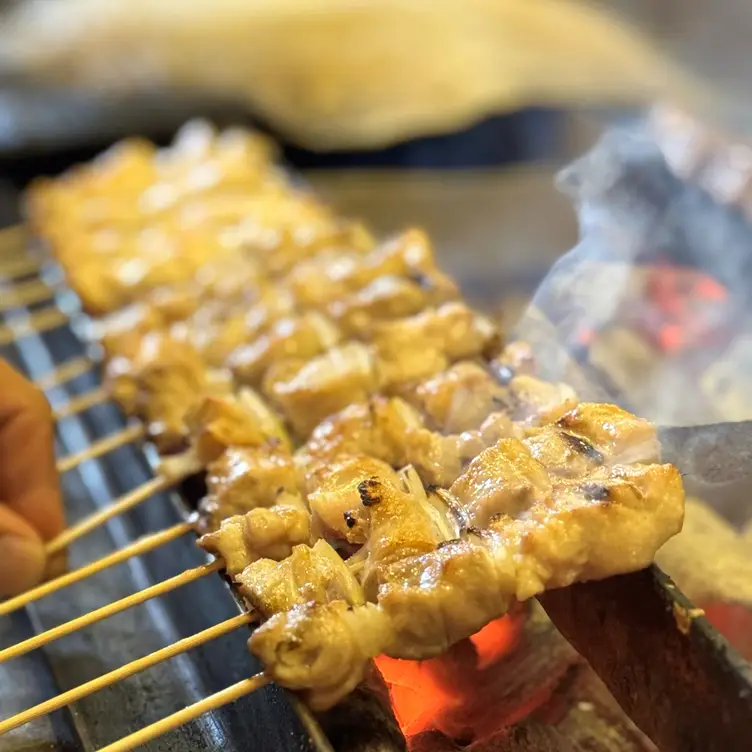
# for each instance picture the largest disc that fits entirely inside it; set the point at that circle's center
(102, 464)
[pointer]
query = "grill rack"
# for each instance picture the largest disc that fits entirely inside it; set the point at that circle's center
(101, 461)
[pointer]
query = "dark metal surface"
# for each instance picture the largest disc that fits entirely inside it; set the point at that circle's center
(676, 678)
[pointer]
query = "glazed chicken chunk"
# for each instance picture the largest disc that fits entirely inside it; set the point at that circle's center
(410, 350)
(321, 649)
(307, 392)
(309, 574)
(244, 478)
(262, 533)
(302, 337)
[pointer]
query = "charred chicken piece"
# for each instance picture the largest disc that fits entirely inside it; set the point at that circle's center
(614, 432)
(336, 503)
(321, 649)
(307, 392)
(401, 525)
(421, 596)
(302, 337)
(242, 479)
(610, 522)
(309, 574)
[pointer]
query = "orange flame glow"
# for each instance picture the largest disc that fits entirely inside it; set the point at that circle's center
(449, 686)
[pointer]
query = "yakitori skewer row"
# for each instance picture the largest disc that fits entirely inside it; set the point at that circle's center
(362, 357)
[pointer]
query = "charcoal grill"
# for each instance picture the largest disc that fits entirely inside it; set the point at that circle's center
(42, 336)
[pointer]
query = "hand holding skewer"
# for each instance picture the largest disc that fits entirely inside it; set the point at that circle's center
(31, 510)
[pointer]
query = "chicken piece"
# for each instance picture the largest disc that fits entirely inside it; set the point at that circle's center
(611, 522)
(242, 479)
(301, 337)
(120, 334)
(618, 435)
(331, 276)
(516, 359)
(162, 384)
(562, 453)
(336, 503)
(375, 428)
(387, 298)
(504, 478)
(441, 459)
(413, 349)
(321, 650)
(309, 574)
(458, 399)
(262, 533)
(299, 243)
(421, 596)
(307, 392)
(178, 303)
(535, 401)
(219, 423)
(401, 525)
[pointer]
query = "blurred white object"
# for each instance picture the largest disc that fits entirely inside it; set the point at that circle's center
(341, 73)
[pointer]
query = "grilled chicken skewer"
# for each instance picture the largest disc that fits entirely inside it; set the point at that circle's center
(419, 482)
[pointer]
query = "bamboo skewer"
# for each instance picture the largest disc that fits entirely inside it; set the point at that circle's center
(13, 238)
(81, 403)
(66, 372)
(138, 547)
(17, 268)
(119, 674)
(63, 630)
(26, 294)
(103, 446)
(217, 700)
(38, 322)
(121, 505)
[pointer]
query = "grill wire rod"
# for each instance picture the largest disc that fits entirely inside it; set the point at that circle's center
(92, 617)
(137, 548)
(217, 700)
(119, 674)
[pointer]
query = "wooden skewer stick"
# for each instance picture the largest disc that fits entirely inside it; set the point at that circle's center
(13, 239)
(121, 505)
(82, 402)
(63, 630)
(38, 323)
(141, 546)
(103, 446)
(217, 700)
(118, 674)
(66, 372)
(26, 294)
(17, 268)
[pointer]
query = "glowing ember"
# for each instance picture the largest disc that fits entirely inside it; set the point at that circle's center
(456, 692)
(690, 308)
